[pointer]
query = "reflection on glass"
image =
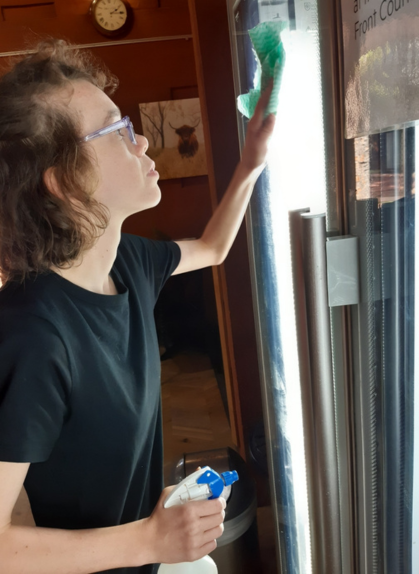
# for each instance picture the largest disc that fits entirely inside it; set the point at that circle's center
(382, 162)
(381, 49)
(295, 178)
(383, 216)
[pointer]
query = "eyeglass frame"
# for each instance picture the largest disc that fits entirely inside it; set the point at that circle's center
(125, 122)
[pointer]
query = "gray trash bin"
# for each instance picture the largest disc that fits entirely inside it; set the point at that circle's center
(237, 551)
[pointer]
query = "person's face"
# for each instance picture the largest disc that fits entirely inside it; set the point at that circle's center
(127, 178)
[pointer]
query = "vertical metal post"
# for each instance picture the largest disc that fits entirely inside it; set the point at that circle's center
(324, 474)
(305, 375)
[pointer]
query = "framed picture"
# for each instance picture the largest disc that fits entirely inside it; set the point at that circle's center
(176, 137)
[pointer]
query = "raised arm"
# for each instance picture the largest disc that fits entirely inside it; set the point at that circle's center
(177, 534)
(219, 234)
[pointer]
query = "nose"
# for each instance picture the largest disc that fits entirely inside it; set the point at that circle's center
(142, 144)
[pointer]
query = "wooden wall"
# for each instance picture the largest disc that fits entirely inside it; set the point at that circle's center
(215, 80)
(148, 72)
(23, 19)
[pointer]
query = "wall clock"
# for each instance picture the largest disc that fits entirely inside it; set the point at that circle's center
(111, 17)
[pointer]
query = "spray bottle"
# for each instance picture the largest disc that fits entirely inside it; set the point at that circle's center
(202, 484)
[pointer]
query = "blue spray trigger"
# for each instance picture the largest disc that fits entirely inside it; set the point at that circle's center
(216, 482)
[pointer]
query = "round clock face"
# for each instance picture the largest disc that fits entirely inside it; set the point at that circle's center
(110, 15)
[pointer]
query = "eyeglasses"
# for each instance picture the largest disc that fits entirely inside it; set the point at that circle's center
(119, 125)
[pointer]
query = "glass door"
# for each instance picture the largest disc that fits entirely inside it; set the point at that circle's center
(381, 104)
(304, 468)
(331, 230)
(382, 216)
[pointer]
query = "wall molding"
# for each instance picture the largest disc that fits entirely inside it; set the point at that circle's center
(106, 44)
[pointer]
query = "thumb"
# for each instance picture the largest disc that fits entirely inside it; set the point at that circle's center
(164, 494)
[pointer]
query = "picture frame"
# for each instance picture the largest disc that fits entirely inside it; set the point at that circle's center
(176, 137)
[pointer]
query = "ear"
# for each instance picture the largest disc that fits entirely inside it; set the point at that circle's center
(51, 183)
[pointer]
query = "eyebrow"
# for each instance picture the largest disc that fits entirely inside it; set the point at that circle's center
(113, 113)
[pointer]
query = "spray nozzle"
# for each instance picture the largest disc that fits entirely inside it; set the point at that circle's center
(217, 482)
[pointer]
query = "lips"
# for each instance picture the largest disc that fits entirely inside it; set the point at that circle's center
(152, 171)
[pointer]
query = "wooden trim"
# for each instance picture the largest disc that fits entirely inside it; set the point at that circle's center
(221, 294)
(105, 44)
(230, 372)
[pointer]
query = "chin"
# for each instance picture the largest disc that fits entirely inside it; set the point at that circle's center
(157, 197)
(149, 202)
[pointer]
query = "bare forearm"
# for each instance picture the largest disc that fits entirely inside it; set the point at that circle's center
(226, 220)
(224, 224)
(214, 245)
(32, 550)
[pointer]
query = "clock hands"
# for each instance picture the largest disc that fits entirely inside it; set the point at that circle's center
(110, 16)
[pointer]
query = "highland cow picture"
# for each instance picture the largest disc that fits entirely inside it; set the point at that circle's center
(176, 137)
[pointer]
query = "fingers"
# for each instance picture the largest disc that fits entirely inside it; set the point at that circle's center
(166, 491)
(186, 532)
(163, 496)
(213, 534)
(209, 507)
(266, 94)
(201, 508)
(269, 124)
(262, 104)
(209, 522)
(200, 533)
(208, 548)
(209, 537)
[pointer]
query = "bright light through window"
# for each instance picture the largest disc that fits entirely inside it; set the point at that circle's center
(297, 180)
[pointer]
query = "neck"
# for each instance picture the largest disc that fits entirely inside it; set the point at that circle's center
(91, 270)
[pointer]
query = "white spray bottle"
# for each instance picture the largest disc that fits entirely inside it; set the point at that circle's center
(203, 484)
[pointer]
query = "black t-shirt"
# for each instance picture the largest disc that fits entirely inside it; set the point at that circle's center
(80, 391)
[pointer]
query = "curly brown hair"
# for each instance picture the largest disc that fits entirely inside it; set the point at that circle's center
(38, 229)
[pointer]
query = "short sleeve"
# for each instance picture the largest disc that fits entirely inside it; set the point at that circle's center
(158, 259)
(35, 385)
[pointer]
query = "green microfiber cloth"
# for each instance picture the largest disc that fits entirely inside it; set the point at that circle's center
(270, 53)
